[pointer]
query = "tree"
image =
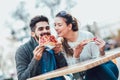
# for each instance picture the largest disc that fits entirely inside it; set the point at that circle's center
(21, 14)
(55, 5)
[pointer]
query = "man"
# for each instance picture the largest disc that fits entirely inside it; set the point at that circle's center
(33, 59)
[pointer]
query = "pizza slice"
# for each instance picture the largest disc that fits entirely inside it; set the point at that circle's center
(90, 40)
(48, 41)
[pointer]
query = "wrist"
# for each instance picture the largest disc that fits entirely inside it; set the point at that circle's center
(102, 52)
(77, 60)
(76, 56)
(36, 58)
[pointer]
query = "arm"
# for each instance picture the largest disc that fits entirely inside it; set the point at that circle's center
(25, 67)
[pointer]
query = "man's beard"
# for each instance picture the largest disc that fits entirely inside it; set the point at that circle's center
(37, 37)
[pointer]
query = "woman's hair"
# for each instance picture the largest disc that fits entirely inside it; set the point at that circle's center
(69, 19)
(37, 19)
(68, 50)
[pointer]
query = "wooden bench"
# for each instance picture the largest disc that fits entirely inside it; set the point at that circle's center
(79, 67)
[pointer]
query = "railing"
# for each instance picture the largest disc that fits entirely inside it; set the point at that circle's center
(79, 67)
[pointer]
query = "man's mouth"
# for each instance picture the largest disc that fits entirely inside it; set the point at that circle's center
(45, 34)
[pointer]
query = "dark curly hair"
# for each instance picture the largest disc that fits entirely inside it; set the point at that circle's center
(37, 19)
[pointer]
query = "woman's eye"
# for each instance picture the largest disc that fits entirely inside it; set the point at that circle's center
(59, 25)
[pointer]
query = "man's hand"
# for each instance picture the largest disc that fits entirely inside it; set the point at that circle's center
(57, 48)
(38, 51)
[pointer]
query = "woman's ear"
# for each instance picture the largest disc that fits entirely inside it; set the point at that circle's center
(70, 26)
(33, 34)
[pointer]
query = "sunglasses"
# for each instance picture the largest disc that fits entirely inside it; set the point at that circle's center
(42, 28)
(63, 13)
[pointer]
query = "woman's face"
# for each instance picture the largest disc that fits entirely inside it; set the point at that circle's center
(61, 27)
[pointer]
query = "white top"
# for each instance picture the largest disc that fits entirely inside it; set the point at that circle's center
(89, 51)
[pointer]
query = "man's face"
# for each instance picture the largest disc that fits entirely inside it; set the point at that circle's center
(42, 28)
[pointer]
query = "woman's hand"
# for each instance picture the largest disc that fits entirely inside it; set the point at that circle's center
(78, 49)
(101, 44)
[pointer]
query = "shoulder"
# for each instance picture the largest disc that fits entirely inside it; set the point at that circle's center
(22, 49)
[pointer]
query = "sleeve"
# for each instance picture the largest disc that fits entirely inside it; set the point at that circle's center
(60, 60)
(94, 50)
(25, 68)
(76, 60)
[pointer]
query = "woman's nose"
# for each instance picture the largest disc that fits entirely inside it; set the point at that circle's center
(56, 27)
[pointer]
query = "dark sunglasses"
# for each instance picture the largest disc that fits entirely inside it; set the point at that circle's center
(42, 28)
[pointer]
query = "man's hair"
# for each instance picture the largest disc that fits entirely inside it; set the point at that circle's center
(37, 19)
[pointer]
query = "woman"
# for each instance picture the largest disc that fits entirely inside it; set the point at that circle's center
(77, 48)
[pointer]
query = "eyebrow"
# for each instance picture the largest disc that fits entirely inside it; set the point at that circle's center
(44, 26)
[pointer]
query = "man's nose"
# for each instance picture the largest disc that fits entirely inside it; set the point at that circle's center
(45, 30)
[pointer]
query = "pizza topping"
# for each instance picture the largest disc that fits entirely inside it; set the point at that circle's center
(89, 40)
(47, 40)
(94, 38)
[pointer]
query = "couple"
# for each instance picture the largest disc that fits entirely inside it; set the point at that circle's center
(33, 59)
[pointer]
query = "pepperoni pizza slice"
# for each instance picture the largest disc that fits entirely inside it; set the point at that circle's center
(90, 40)
(48, 41)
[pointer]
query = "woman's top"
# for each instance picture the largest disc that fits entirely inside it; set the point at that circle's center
(90, 50)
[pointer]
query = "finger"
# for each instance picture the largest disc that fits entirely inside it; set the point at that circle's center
(39, 52)
(83, 43)
(41, 48)
(79, 46)
(100, 42)
(36, 49)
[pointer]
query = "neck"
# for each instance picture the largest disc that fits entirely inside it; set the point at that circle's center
(72, 36)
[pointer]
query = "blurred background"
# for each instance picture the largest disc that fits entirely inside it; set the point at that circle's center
(101, 17)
